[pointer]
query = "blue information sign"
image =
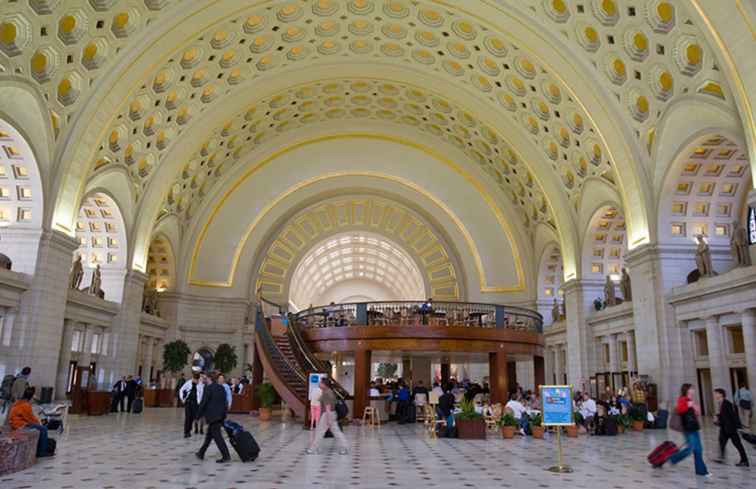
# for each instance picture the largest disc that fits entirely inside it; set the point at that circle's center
(557, 405)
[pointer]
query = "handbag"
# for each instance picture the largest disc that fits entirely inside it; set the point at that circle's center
(675, 422)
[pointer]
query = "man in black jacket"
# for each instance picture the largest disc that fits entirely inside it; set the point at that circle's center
(728, 422)
(130, 392)
(213, 408)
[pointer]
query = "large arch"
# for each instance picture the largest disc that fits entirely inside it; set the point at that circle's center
(576, 77)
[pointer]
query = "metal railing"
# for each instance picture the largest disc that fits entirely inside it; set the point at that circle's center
(417, 313)
(276, 357)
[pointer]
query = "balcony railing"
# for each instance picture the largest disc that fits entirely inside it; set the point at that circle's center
(414, 313)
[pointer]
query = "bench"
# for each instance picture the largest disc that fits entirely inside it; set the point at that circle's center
(18, 449)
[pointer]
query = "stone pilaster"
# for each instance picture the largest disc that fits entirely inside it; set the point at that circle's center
(65, 358)
(613, 357)
(720, 373)
(43, 307)
(749, 342)
(126, 324)
(580, 354)
(630, 341)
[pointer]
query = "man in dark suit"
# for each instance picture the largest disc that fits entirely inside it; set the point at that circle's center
(130, 392)
(729, 422)
(118, 391)
(213, 408)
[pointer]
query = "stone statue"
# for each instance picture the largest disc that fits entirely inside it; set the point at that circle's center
(250, 314)
(555, 311)
(5, 262)
(739, 245)
(77, 274)
(703, 258)
(95, 287)
(627, 291)
(564, 309)
(150, 302)
(610, 296)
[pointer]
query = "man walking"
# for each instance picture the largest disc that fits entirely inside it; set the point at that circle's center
(130, 392)
(328, 419)
(190, 395)
(118, 393)
(213, 408)
(728, 422)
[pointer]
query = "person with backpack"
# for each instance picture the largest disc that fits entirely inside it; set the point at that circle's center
(20, 384)
(729, 423)
(328, 419)
(5, 392)
(21, 416)
(689, 412)
(744, 401)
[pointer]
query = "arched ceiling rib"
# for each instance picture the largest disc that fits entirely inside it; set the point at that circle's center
(264, 40)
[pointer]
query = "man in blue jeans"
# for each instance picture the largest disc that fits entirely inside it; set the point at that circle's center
(22, 417)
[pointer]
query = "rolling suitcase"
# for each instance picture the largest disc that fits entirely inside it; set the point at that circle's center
(749, 437)
(243, 442)
(137, 406)
(661, 454)
(661, 419)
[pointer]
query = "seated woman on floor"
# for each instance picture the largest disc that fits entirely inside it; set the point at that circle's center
(22, 417)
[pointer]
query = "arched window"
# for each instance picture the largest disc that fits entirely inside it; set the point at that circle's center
(161, 265)
(704, 192)
(21, 204)
(102, 241)
(605, 244)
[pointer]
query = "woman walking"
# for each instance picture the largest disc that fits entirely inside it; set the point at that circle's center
(689, 411)
(328, 419)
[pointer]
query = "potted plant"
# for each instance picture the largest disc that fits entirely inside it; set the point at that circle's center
(572, 430)
(508, 425)
(638, 418)
(225, 358)
(267, 395)
(470, 424)
(623, 423)
(536, 426)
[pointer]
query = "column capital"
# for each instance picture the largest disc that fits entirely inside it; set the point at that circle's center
(59, 240)
(136, 277)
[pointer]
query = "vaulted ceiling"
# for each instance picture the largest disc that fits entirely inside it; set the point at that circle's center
(579, 86)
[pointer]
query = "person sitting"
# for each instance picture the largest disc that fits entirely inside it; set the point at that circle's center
(22, 417)
(518, 409)
(588, 410)
(374, 392)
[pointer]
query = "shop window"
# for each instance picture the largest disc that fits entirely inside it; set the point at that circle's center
(702, 347)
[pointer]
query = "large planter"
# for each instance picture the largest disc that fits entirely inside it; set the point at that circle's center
(571, 431)
(265, 414)
(638, 425)
(471, 429)
(537, 431)
(508, 432)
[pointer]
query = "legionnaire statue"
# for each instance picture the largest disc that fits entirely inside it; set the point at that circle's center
(703, 258)
(739, 245)
(610, 297)
(627, 291)
(77, 273)
(95, 287)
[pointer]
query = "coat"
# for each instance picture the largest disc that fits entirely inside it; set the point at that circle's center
(214, 405)
(19, 387)
(728, 419)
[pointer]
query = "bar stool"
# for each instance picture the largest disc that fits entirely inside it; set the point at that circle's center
(371, 417)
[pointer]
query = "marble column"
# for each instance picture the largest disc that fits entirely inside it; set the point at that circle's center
(558, 365)
(613, 358)
(749, 342)
(548, 365)
(43, 306)
(498, 373)
(85, 358)
(361, 382)
(126, 323)
(65, 359)
(720, 375)
(630, 340)
(579, 342)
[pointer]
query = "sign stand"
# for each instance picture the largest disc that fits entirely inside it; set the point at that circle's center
(556, 408)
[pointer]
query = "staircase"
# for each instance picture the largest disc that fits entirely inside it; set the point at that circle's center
(293, 375)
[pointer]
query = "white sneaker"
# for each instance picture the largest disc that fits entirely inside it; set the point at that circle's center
(708, 475)
(310, 451)
(343, 451)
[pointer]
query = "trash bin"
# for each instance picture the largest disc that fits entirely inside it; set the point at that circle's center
(46, 395)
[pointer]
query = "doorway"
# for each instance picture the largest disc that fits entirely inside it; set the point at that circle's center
(738, 376)
(705, 395)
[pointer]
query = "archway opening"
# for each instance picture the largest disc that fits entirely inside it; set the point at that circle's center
(355, 267)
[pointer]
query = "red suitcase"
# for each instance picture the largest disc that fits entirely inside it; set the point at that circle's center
(661, 454)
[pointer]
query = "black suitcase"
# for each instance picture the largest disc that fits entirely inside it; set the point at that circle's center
(245, 445)
(136, 406)
(749, 437)
(660, 423)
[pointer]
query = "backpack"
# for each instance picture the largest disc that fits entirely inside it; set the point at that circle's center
(341, 409)
(6, 386)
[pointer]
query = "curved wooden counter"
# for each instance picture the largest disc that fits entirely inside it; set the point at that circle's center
(424, 338)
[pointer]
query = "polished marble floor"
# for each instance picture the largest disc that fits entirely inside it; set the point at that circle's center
(148, 451)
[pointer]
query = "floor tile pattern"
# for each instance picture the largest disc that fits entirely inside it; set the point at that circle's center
(148, 451)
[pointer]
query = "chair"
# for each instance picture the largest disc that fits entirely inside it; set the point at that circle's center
(420, 401)
(371, 417)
